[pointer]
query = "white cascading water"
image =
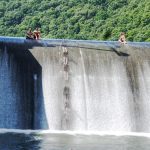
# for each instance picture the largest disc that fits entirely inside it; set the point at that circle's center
(103, 92)
(108, 92)
(144, 95)
(52, 87)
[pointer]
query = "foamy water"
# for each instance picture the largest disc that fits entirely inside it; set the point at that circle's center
(69, 140)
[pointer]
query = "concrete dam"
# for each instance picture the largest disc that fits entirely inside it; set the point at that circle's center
(74, 85)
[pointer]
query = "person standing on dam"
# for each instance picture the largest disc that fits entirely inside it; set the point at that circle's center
(122, 38)
(65, 62)
(65, 56)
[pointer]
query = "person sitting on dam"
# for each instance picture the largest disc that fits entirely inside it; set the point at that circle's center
(37, 34)
(29, 34)
(122, 38)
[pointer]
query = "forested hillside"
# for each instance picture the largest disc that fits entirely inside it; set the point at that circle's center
(77, 19)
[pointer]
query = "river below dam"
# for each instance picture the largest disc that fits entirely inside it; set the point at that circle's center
(56, 140)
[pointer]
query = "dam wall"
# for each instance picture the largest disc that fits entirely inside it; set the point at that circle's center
(74, 85)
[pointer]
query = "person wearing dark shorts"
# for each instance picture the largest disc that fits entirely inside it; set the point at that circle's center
(29, 34)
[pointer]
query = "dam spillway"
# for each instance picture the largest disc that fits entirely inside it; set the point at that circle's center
(108, 85)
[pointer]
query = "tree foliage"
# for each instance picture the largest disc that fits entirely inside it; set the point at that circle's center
(77, 19)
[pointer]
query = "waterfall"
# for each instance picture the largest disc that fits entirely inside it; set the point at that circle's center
(107, 86)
